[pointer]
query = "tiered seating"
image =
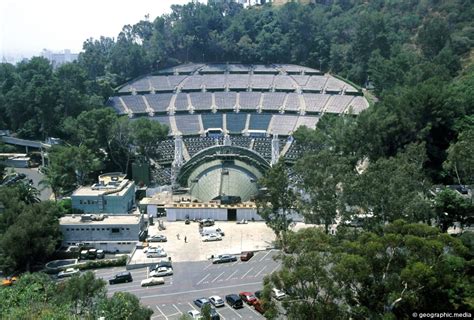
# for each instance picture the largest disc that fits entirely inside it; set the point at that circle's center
(165, 151)
(283, 124)
(307, 121)
(238, 68)
(238, 81)
(135, 103)
(214, 81)
(115, 103)
(261, 81)
(293, 153)
(315, 102)
(160, 83)
(159, 102)
(236, 122)
(283, 82)
(273, 100)
(164, 120)
(214, 68)
(211, 120)
(201, 100)
(259, 121)
(193, 82)
(181, 102)
(194, 145)
(316, 83)
(175, 80)
(264, 147)
(241, 141)
(225, 100)
(188, 124)
(358, 105)
(338, 103)
(187, 68)
(301, 80)
(162, 175)
(249, 100)
(264, 68)
(335, 85)
(292, 102)
(138, 85)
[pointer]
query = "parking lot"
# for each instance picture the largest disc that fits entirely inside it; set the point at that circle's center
(238, 237)
(196, 279)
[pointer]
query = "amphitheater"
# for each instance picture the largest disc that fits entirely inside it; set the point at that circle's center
(228, 123)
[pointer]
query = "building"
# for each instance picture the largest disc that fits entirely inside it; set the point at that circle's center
(113, 194)
(58, 59)
(111, 233)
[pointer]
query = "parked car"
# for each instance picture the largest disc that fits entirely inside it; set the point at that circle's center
(278, 294)
(161, 272)
(100, 254)
(214, 314)
(153, 281)
(206, 222)
(8, 281)
(152, 249)
(258, 294)
(194, 314)
(201, 302)
(212, 237)
(156, 254)
(157, 238)
(224, 258)
(69, 272)
(216, 301)
(258, 306)
(243, 221)
(245, 256)
(234, 301)
(162, 263)
(248, 297)
(121, 278)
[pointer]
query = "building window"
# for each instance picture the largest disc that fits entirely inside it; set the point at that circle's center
(123, 229)
(67, 229)
(103, 229)
(115, 230)
(82, 229)
(108, 228)
(128, 228)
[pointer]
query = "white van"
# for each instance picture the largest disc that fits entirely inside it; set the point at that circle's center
(209, 230)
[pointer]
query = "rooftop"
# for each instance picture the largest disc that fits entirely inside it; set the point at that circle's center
(109, 184)
(88, 219)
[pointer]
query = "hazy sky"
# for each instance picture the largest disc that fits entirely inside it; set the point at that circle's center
(29, 26)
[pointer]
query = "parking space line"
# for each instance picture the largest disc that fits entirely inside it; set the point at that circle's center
(179, 311)
(193, 307)
(253, 310)
(231, 275)
(263, 258)
(220, 315)
(274, 269)
(218, 277)
(208, 266)
(234, 311)
(246, 273)
(161, 312)
(200, 281)
(199, 290)
(258, 273)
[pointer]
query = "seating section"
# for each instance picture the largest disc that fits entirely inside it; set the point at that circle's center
(294, 152)
(214, 81)
(174, 81)
(115, 103)
(292, 102)
(159, 102)
(181, 102)
(338, 103)
(249, 100)
(358, 105)
(241, 141)
(212, 120)
(236, 122)
(283, 124)
(225, 100)
(135, 103)
(188, 124)
(263, 146)
(238, 81)
(301, 80)
(165, 120)
(259, 121)
(160, 83)
(194, 145)
(201, 100)
(162, 175)
(273, 100)
(165, 151)
(261, 81)
(283, 82)
(315, 102)
(335, 85)
(316, 83)
(193, 82)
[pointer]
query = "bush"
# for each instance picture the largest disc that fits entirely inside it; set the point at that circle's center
(96, 264)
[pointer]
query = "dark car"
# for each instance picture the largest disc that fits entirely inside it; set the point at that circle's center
(157, 238)
(206, 222)
(162, 263)
(223, 258)
(245, 256)
(214, 315)
(121, 277)
(201, 302)
(258, 294)
(234, 301)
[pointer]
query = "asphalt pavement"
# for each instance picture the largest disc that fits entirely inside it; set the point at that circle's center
(197, 279)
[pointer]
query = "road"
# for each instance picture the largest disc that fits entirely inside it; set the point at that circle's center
(36, 176)
(193, 280)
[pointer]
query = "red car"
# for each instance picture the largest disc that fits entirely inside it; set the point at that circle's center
(258, 306)
(248, 297)
(245, 256)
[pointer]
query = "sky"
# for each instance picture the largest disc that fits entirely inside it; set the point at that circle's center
(29, 26)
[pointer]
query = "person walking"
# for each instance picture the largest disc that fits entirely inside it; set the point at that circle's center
(177, 236)
(185, 239)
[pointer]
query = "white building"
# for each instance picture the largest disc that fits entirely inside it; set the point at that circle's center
(111, 233)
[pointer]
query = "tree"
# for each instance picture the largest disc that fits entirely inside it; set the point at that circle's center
(460, 160)
(146, 134)
(366, 275)
(451, 207)
(123, 305)
(277, 201)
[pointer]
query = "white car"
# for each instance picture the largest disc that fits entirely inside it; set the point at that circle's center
(278, 294)
(162, 271)
(156, 254)
(152, 249)
(69, 272)
(212, 237)
(195, 314)
(216, 301)
(152, 282)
